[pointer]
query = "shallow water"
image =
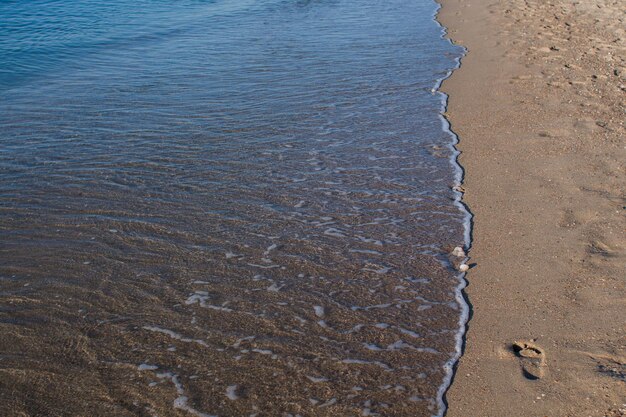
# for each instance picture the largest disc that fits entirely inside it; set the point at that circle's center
(225, 208)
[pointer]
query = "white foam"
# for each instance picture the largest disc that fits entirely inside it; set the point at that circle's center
(401, 344)
(366, 251)
(380, 271)
(316, 379)
(355, 329)
(467, 225)
(370, 240)
(243, 339)
(182, 402)
(319, 311)
(146, 367)
(201, 297)
(218, 308)
(263, 351)
(372, 346)
(334, 232)
(375, 306)
(175, 335)
(265, 266)
(269, 249)
(274, 287)
(409, 332)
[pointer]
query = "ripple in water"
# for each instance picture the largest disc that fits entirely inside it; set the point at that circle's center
(226, 208)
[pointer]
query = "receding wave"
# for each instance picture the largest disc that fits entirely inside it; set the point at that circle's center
(247, 211)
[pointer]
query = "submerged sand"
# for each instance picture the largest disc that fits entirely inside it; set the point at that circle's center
(243, 212)
(539, 107)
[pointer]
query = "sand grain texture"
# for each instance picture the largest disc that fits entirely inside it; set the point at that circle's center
(539, 107)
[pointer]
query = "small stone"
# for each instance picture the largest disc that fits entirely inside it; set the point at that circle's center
(463, 267)
(458, 252)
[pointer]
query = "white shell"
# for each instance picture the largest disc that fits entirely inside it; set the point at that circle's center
(458, 252)
(463, 267)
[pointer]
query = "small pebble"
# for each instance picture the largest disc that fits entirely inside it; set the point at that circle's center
(463, 267)
(458, 252)
(459, 188)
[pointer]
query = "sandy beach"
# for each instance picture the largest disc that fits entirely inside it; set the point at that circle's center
(538, 104)
(235, 208)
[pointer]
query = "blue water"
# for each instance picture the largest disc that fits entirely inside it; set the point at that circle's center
(227, 207)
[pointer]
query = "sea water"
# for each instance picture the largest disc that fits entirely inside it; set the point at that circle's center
(227, 207)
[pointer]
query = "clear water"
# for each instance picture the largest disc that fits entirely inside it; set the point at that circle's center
(225, 208)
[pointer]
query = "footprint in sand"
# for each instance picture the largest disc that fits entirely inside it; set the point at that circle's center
(532, 359)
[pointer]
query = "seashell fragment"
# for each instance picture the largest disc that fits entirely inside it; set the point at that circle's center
(463, 267)
(458, 252)
(459, 188)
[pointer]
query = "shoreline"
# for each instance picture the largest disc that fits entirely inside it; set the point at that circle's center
(459, 172)
(537, 104)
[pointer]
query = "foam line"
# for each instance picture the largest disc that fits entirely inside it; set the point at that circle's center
(449, 366)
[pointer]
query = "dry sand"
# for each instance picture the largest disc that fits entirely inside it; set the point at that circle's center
(539, 107)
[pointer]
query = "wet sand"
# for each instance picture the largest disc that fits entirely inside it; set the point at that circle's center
(539, 107)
